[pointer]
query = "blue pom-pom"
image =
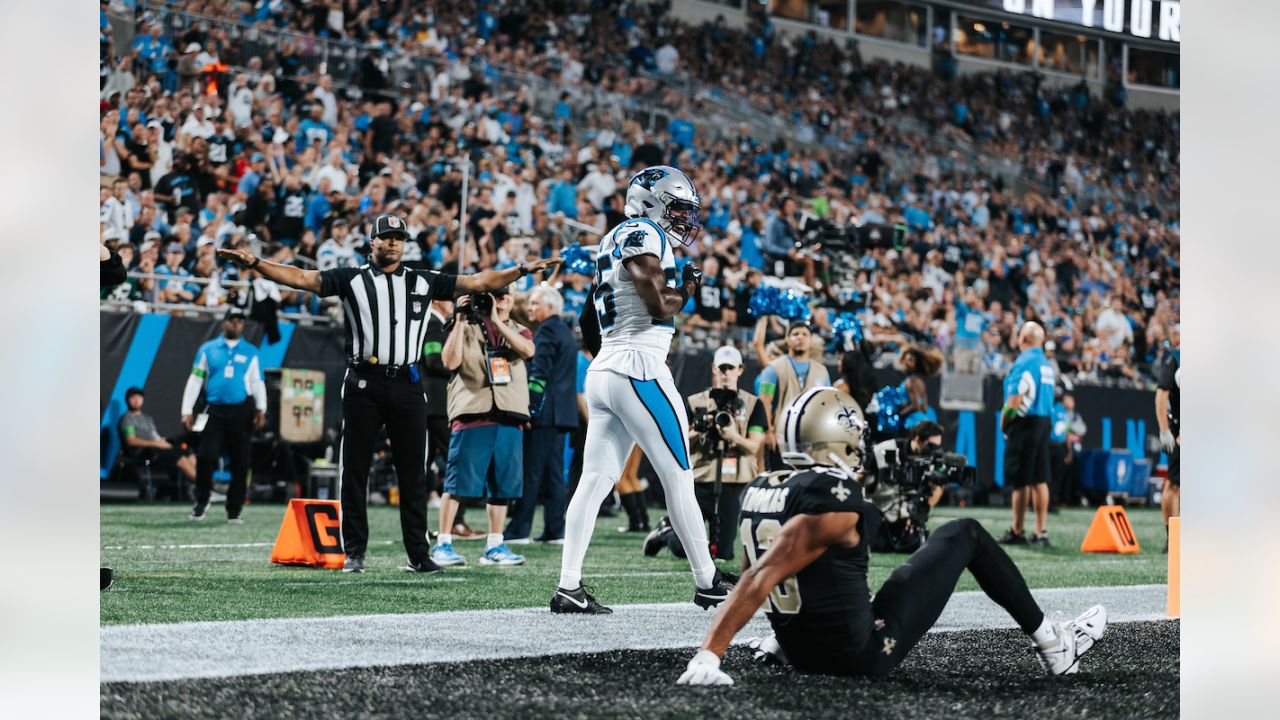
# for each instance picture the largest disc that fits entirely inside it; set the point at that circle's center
(846, 333)
(787, 304)
(578, 260)
(891, 399)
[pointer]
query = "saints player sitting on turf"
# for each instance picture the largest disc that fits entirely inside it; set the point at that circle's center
(805, 532)
(630, 394)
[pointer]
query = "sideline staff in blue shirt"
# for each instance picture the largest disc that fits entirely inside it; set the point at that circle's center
(1028, 401)
(228, 370)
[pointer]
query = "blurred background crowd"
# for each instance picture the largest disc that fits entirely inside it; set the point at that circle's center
(942, 210)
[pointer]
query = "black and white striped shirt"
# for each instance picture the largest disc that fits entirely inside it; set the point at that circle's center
(386, 312)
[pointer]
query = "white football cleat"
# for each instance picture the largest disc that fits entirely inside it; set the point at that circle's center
(1061, 655)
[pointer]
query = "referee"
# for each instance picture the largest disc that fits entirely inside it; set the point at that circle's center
(386, 306)
(1028, 402)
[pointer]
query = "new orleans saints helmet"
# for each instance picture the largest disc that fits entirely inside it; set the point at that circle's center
(666, 196)
(823, 427)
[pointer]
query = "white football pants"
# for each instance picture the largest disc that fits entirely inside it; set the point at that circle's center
(625, 412)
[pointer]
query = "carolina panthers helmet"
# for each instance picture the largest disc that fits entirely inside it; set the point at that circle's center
(823, 427)
(666, 196)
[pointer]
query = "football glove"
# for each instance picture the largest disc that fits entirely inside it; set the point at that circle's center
(704, 669)
(767, 651)
(691, 275)
(1166, 440)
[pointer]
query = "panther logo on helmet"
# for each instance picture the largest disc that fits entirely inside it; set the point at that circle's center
(649, 177)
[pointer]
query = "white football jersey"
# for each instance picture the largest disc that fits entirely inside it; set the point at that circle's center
(625, 325)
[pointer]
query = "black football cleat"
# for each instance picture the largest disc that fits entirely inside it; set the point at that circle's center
(577, 601)
(657, 539)
(353, 564)
(1013, 538)
(721, 585)
(105, 577)
(426, 567)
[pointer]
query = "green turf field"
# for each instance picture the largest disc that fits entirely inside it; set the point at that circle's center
(158, 582)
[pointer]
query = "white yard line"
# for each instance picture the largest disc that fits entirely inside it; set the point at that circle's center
(142, 653)
(214, 546)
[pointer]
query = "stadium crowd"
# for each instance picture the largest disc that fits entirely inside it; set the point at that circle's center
(205, 145)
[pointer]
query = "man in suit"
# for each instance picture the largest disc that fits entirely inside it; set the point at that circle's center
(553, 403)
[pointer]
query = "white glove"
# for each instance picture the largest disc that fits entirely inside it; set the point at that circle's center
(766, 650)
(1166, 440)
(704, 669)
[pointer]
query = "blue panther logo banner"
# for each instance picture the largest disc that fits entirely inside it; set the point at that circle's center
(648, 178)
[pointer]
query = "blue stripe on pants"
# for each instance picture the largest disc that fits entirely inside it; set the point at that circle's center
(662, 412)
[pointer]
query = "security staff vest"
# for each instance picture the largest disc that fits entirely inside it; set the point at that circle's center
(472, 397)
(790, 387)
(702, 452)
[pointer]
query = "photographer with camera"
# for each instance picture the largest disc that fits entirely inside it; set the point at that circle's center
(904, 478)
(488, 405)
(726, 430)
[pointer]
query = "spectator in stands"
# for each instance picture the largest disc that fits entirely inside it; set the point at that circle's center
(116, 214)
(553, 405)
(175, 290)
(142, 442)
(488, 404)
(1113, 326)
(780, 241)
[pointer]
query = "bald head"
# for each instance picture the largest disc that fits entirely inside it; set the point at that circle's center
(1030, 336)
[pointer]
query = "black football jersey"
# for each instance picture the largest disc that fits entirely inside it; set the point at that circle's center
(836, 581)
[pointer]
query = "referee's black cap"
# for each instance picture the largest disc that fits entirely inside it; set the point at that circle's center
(389, 224)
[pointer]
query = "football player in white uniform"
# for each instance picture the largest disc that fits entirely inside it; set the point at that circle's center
(630, 394)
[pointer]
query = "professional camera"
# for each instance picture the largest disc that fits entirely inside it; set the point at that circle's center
(720, 415)
(901, 490)
(481, 306)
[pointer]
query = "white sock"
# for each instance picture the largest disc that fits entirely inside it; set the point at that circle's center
(686, 520)
(579, 522)
(495, 539)
(1044, 633)
(444, 539)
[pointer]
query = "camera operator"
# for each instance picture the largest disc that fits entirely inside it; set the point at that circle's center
(904, 478)
(722, 419)
(488, 404)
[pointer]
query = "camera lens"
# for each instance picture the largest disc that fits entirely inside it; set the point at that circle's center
(723, 419)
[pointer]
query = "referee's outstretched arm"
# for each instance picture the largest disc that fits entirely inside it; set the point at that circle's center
(309, 280)
(294, 277)
(487, 280)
